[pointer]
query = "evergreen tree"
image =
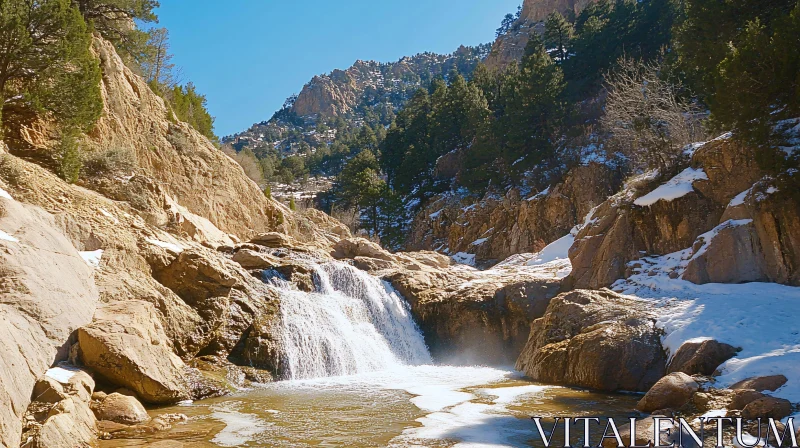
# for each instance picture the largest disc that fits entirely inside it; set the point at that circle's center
(292, 205)
(558, 34)
(113, 19)
(47, 65)
(268, 191)
(190, 106)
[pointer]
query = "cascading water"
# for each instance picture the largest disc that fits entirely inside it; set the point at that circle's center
(353, 323)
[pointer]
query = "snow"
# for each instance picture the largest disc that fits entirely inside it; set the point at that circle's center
(464, 258)
(739, 199)
(479, 241)
(539, 195)
(761, 318)
(6, 237)
(4, 194)
(109, 215)
(436, 214)
(689, 150)
(164, 245)
(92, 258)
(61, 374)
(552, 261)
(677, 187)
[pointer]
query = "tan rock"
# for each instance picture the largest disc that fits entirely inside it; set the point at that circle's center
(48, 390)
(595, 339)
(249, 259)
(767, 407)
(72, 427)
(761, 383)
(701, 358)
(47, 292)
(671, 392)
(734, 255)
(126, 344)
(359, 247)
(120, 408)
(272, 239)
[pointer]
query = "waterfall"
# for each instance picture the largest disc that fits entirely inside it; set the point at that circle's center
(353, 323)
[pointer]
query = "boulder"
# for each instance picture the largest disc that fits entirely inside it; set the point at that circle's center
(732, 255)
(742, 397)
(359, 247)
(126, 344)
(645, 430)
(767, 407)
(671, 392)
(700, 358)
(761, 383)
(48, 390)
(273, 240)
(249, 259)
(595, 339)
(120, 408)
(70, 424)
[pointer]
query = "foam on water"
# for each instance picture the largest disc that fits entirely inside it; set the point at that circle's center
(240, 427)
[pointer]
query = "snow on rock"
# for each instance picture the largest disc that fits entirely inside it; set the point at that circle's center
(479, 241)
(4, 194)
(6, 237)
(539, 195)
(436, 214)
(164, 245)
(61, 374)
(739, 198)
(109, 215)
(464, 258)
(92, 258)
(552, 261)
(761, 318)
(677, 187)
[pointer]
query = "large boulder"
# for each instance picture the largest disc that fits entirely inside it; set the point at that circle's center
(595, 339)
(120, 408)
(360, 247)
(126, 344)
(767, 407)
(47, 291)
(761, 383)
(701, 358)
(670, 392)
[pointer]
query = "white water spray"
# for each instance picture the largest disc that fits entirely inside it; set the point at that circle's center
(354, 323)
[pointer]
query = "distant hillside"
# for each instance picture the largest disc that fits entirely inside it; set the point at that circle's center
(368, 92)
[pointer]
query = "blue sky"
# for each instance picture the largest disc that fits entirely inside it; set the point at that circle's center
(248, 56)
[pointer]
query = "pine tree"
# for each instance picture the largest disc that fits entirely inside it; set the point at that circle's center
(558, 34)
(113, 20)
(48, 66)
(292, 205)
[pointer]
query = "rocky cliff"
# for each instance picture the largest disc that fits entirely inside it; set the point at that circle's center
(130, 275)
(510, 47)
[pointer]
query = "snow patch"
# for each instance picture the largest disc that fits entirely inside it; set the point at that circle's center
(479, 241)
(6, 237)
(92, 258)
(436, 214)
(164, 245)
(675, 188)
(464, 258)
(4, 194)
(61, 374)
(539, 195)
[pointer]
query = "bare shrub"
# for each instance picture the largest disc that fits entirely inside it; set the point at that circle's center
(112, 160)
(248, 161)
(647, 117)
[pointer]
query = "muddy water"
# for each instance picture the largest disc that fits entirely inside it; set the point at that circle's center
(424, 406)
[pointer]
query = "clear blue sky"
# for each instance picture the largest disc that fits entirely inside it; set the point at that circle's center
(248, 56)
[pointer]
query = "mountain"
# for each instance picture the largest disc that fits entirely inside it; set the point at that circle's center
(510, 45)
(367, 92)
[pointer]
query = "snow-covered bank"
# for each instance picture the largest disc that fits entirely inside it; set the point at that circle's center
(761, 318)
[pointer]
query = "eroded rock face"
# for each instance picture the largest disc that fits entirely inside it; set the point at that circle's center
(126, 344)
(595, 339)
(46, 292)
(496, 227)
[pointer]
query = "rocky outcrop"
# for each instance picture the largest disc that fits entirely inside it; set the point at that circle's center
(467, 316)
(496, 227)
(46, 293)
(510, 47)
(595, 339)
(126, 344)
(67, 421)
(735, 223)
